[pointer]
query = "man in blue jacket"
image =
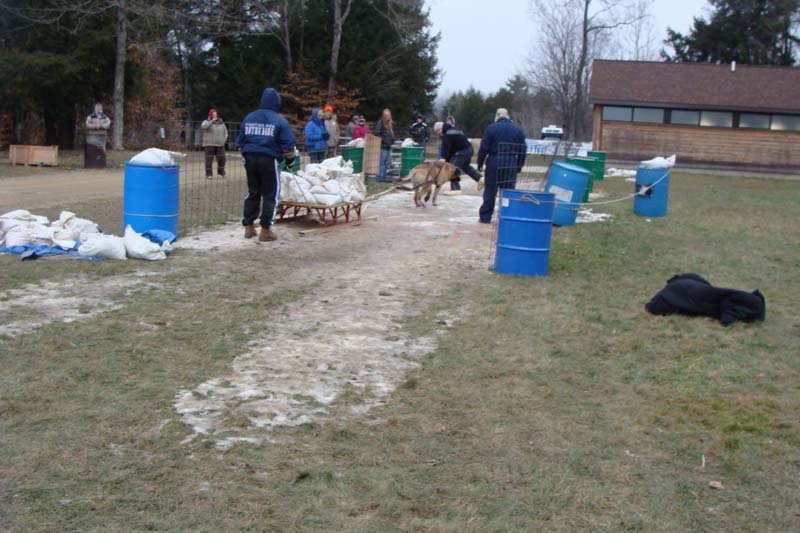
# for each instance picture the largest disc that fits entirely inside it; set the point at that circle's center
(265, 138)
(316, 136)
(503, 150)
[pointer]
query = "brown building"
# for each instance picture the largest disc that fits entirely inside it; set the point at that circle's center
(703, 113)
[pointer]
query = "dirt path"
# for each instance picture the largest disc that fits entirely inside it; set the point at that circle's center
(344, 337)
(54, 188)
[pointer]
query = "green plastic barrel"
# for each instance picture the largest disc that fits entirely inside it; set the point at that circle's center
(588, 164)
(354, 154)
(411, 157)
(296, 166)
(600, 165)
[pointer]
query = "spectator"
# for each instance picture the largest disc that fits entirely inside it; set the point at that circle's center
(451, 120)
(419, 131)
(316, 136)
(457, 149)
(361, 130)
(503, 151)
(348, 131)
(97, 120)
(332, 127)
(265, 138)
(384, 129)
(215, 135)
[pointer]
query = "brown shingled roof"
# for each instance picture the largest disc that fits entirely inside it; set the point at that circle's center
(694, 85)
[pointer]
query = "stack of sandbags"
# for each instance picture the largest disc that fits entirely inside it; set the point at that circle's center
(22, 229)
(328, 183)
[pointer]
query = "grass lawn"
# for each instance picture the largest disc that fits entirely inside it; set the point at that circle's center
(557, 404)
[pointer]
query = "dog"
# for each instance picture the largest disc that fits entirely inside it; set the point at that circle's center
(425, 175)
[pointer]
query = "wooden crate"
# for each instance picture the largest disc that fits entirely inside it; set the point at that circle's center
(23, 154)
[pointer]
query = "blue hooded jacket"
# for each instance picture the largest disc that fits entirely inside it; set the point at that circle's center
(313, 132)
(266, 132)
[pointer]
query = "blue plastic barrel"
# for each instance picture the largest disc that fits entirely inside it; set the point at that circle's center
(653, 188)
(150, 198)
(523, 233)
(568, 184)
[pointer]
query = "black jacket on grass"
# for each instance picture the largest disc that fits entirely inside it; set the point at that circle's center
(691, 294)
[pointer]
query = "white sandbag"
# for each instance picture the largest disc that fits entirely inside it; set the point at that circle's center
(65, 244)
(312, 167)
(332, 162)
(327, 199)
(18, 236)
(407, 143)
(24, 215)
(138, 247)
(70, 227)
(659, 162)
(356, 143)
(332, 186)
(7, 223)
(157, 157)
(109, 246)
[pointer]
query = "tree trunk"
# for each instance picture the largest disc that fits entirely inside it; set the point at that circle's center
(119, 75)
(577, 120)
(287, 37)
(338, 22)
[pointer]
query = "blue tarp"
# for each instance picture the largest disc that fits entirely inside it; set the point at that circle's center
(35, 251)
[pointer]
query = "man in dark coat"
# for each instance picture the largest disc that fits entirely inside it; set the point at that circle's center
(265, 139)
(690, 294)
(503, 150)
(457, 150)
(419, 131)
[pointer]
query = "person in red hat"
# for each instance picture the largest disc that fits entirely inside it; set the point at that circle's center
(215, 135)
(332, 127)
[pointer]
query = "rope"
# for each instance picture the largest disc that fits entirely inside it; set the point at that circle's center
(642, 192)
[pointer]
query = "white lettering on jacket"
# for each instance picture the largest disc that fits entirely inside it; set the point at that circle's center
(255, 128)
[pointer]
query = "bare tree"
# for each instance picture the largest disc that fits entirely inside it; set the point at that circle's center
(572, 34)
(341, 10)
(638, 42)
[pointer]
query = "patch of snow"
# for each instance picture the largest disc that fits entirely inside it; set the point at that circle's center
(586, 216)
(35, 305)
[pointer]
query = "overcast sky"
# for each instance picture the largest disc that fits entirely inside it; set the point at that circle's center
(484, 42)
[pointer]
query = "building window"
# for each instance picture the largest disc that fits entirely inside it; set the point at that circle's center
(716, 119)
(786, 122)
(753, 120)
(648, 114)
(682, 116)
(621, 114)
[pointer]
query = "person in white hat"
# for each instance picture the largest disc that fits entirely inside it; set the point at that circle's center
(503, 150)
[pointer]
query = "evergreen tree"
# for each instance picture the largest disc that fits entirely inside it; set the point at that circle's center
(758, 32)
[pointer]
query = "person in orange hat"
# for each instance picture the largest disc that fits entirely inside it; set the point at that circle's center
(332, 127)
(215, 135)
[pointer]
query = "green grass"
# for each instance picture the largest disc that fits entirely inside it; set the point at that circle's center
(556, 405)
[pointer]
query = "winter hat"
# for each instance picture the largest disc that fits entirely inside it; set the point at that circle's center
(211, 111)
(502, 112)
(328, 109)
(361, 121)
(438, 126)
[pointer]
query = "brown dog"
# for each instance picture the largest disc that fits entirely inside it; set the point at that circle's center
(425, 175)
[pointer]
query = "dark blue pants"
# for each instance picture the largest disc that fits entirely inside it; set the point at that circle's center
(461, 159)
(263, 183)
(495, 179)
